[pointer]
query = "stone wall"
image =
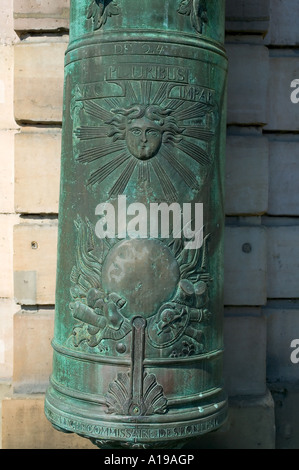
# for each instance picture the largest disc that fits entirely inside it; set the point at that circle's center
(262, 225)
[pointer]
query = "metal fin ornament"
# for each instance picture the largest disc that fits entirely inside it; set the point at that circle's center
(138, 340)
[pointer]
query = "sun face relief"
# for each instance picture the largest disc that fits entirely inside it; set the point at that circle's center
(147, 131)
(144, 128)
(143, 138)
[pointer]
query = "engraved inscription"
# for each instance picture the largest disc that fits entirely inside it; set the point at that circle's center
(139, 48)
(147, 72)
(191, 93)
(146, 432)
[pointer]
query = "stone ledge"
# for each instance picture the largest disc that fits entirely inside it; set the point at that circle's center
(247, 17)
(33, 15)
(24, 426)
(250, 425)
(286, 398)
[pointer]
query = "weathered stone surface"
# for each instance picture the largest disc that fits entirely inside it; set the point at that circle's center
(5, 392)
(37, 15)
(245, 352)
(250, 425)
(283, 262)
(24, 426)
(247, 83)
(7, 222)
(283, 328)
(7, 171)
(6, 87)
(283, 23)
(246, 175)
(33, 333)
(282, 113)
(284, 176)
(39, 80)
(35, 263)
(37, 170)
(7, 310)
(243, 16)
(286, 398)
(7, 34)
(245, 266)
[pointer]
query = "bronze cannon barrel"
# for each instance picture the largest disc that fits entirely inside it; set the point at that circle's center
(138, 342)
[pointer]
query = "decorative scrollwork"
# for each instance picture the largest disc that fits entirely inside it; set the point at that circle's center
(197, 11)
(100, 10)
(99, 312)
(186, 313)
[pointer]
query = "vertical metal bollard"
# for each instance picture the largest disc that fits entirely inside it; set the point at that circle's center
(138, 327)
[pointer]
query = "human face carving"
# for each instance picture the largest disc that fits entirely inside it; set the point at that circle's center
(143, 138)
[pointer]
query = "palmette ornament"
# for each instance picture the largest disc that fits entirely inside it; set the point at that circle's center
(138, 342)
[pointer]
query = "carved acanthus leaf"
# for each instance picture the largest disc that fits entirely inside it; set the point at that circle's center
(197, 11)
(100, 10)
(119, 400)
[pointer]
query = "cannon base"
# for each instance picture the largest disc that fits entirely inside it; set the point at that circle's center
(171, 431)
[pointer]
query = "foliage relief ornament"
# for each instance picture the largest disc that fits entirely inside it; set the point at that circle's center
(100, 10)
(119, 401)
(197, 11)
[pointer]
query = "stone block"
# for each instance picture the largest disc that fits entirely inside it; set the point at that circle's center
(7, 310)
(245, 266)
(37, 170)
(283, 328)
(7, 171)
(286, 398)
(24, 426)
(39, 73)
(35, 254)
(246, 175)
(247, 83)
(41, 15)
(244, 352)
(5, 392)
(250, 17)
(7, 34)
(282, 112)
(33, 333)
(284, 176)
(250, 425)
(7, 120)
(283, 29)
(283, 262)
(7, 222)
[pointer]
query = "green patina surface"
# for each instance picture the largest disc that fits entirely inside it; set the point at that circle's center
(138, 328)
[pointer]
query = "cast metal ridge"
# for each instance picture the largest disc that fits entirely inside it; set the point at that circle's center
(156, 362)
(100, 417)
(138, 35)
(171, 402)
